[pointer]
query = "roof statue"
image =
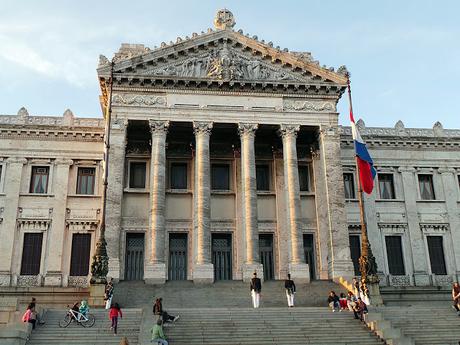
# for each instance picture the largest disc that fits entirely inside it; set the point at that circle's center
(224, 20)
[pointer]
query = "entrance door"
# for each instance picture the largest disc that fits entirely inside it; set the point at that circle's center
(309, 250)
(222, 256)
(134, 268)
(177, 268)
(266, 255)
(355, 252)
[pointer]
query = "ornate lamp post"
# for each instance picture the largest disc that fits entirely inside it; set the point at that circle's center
(100, 263)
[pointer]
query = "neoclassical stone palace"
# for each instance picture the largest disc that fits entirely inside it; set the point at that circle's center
(226, 157)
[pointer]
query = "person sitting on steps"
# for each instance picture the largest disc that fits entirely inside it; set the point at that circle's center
(333, 301)
(456, 297)
(158, 336)
(360, 309)
(158, 310)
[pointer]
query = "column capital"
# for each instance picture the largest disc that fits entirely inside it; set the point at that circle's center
(63, 161)
(446, 170)
(328, 131)
(202, 127)
(247, 128)
(119, 123)
(158, 127)
(409, 169)
(288, 130)
(16, 160)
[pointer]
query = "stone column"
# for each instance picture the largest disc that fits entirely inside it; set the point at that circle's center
(56, 233)
(203, 270)
(449, 182)
(13, 175)
(298, 268)
(339, 259)
(115, 195)
(249, 202)
(419, 255)
(155, 269)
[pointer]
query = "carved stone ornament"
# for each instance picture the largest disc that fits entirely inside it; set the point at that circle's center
(308, 106)
(247, 128)
(103, 61)
(23, 112)
(288, 130)
(224, 20)
(225, 64)
(160, 127)
(139, 100)
(201, 128)
(79, 281)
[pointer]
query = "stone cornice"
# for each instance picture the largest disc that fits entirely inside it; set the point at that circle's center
(50, 121)
(54, 134)
(402, 133)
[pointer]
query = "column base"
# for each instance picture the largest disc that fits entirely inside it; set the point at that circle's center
(53, 278)
(155, 273)
(300, 273)
(203, 274)
(422, 279)
(374, 293)
(249, 269)
(341, 269)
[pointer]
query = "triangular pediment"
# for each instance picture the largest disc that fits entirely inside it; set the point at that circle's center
(222, 56)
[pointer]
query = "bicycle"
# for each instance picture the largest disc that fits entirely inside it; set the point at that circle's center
(87, 320)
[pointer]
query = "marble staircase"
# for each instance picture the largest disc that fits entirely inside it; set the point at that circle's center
(75, 334)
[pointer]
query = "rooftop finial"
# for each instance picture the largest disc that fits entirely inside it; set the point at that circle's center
(224, 20)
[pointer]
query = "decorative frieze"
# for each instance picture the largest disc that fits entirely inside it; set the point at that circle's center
(78, 281)
(308, 106)
(29, 281)
(139, 100)
(33, 225)
(392, 228)
(434, 228)
(443, 280)
(399, 280)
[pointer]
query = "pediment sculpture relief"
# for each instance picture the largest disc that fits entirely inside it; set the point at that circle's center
(225, 64)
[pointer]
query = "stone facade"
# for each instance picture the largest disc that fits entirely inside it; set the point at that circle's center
(226, 158)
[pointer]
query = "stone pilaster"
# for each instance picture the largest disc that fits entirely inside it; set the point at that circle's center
(297, 266)
(57, 232)
(420, 268)
(13, 175)
(449, 180)
(155, 269)
(203, 270)
(115, 195)
(339, 260)
(249, 202)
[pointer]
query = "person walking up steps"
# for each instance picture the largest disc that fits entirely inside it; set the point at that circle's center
(114, 312)
(256, 288)
(290, 291)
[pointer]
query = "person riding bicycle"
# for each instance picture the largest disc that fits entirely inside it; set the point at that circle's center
(76, 311)
(84, 308)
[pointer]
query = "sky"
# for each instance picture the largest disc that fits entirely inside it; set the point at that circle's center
(403, 56)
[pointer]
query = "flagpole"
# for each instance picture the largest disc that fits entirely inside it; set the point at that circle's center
(100, 264)
(367, 263)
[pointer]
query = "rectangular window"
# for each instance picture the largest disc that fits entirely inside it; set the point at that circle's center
(304, 178)
(349, 185)
(39, 180)
(85, 181)
(425, 183)
(137, 174)
(79, 261)
(395, 255)
(355, 251)
(178, 176)
(1, 170)
(31, 253)
(263, 176)
(436, 251)
(386, 186)
(220, 177)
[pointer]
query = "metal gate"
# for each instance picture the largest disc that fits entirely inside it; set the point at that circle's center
(266, 255)
(309, 250)
(222, 256)
(134, 268)
(177, 268)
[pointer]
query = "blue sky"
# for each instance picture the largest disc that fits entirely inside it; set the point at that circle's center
(404, 56)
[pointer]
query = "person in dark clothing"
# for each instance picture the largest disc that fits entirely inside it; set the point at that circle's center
(360, 309)
(255, 288)
(456, 297)
(290, 290)
(333, 301)
(158, 310)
